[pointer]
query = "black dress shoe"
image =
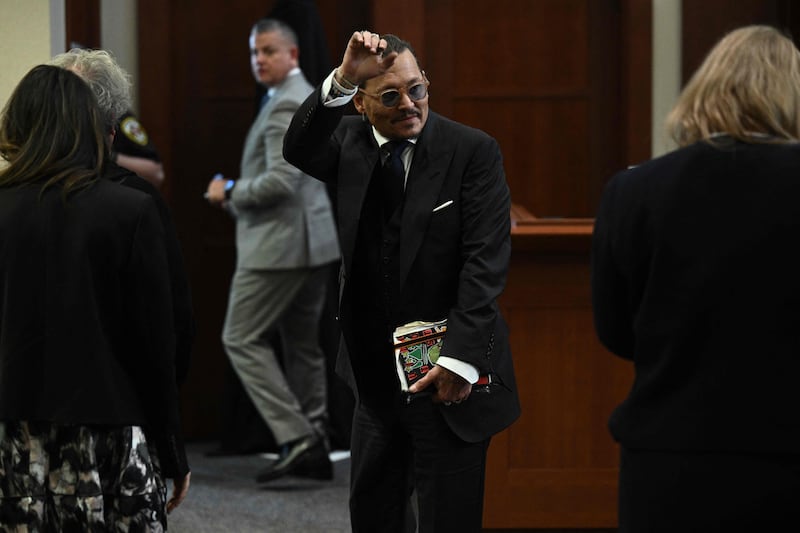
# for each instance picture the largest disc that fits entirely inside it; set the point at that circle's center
(297, 452)
(315, 466)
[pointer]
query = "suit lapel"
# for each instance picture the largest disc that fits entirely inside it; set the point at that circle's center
(425, 179)
(356, 166)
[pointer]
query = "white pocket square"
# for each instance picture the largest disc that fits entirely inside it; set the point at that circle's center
(439, 208)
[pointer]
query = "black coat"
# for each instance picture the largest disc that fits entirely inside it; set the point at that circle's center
(183, 316)
(695, 279)
(86, 319)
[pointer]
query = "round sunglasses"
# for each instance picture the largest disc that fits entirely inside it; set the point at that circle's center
(391, 97)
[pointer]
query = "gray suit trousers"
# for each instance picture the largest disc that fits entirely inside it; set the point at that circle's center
(293, 400)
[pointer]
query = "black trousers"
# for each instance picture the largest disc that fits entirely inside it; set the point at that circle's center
(408, 447)
(708, 492)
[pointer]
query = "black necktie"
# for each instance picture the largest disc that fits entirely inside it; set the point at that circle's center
(393, 176)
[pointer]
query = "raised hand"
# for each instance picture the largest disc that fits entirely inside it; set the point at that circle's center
(364, 58)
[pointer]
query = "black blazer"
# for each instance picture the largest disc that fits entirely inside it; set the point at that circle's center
(183, 315)
(696, 279)
(453, 262)
(86, 321)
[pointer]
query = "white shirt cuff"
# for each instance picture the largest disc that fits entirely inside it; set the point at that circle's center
(465, 370)
(335, 101)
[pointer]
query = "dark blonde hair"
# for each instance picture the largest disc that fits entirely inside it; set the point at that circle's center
(748, 87)
(52, 131)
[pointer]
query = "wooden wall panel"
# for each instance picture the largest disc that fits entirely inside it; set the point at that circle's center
(704, 23)
(154, 83)
(541, 76)
(82, 20)
(565, 400)
(554, 145)
(404, 19)
(636, 45)
(527, 49)
(556, 467)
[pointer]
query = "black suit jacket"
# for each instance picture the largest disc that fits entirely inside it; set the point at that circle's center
(452, 262)
(86, 323)
(695, 277)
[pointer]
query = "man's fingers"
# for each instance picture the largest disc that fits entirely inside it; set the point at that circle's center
(369, 40)
(357, 38)
(422, 384)
(387, 60)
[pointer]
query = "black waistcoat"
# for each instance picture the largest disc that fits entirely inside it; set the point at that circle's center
(375, 294)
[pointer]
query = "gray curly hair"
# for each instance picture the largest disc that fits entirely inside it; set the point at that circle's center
(109, 82)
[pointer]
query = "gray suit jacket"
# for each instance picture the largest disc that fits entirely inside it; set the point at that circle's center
(283, 216)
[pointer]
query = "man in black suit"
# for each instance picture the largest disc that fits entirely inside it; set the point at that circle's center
(436, 247)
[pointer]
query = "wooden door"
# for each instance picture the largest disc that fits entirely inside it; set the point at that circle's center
(197, 97)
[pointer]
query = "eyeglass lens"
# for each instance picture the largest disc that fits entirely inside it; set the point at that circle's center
(415, 92)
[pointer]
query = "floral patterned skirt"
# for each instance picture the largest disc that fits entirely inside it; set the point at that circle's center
(66, 478)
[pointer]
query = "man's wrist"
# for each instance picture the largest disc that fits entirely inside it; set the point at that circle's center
(343, 82)
(229, 185)
(341, 89)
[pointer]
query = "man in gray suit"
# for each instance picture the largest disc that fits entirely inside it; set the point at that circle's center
(285, 239)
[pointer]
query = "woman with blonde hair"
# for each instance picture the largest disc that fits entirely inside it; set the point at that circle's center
(747, 88)
(89, 424)
(695, 280)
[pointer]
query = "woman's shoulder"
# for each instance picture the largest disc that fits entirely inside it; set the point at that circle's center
(118, 195)
(108, 201)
